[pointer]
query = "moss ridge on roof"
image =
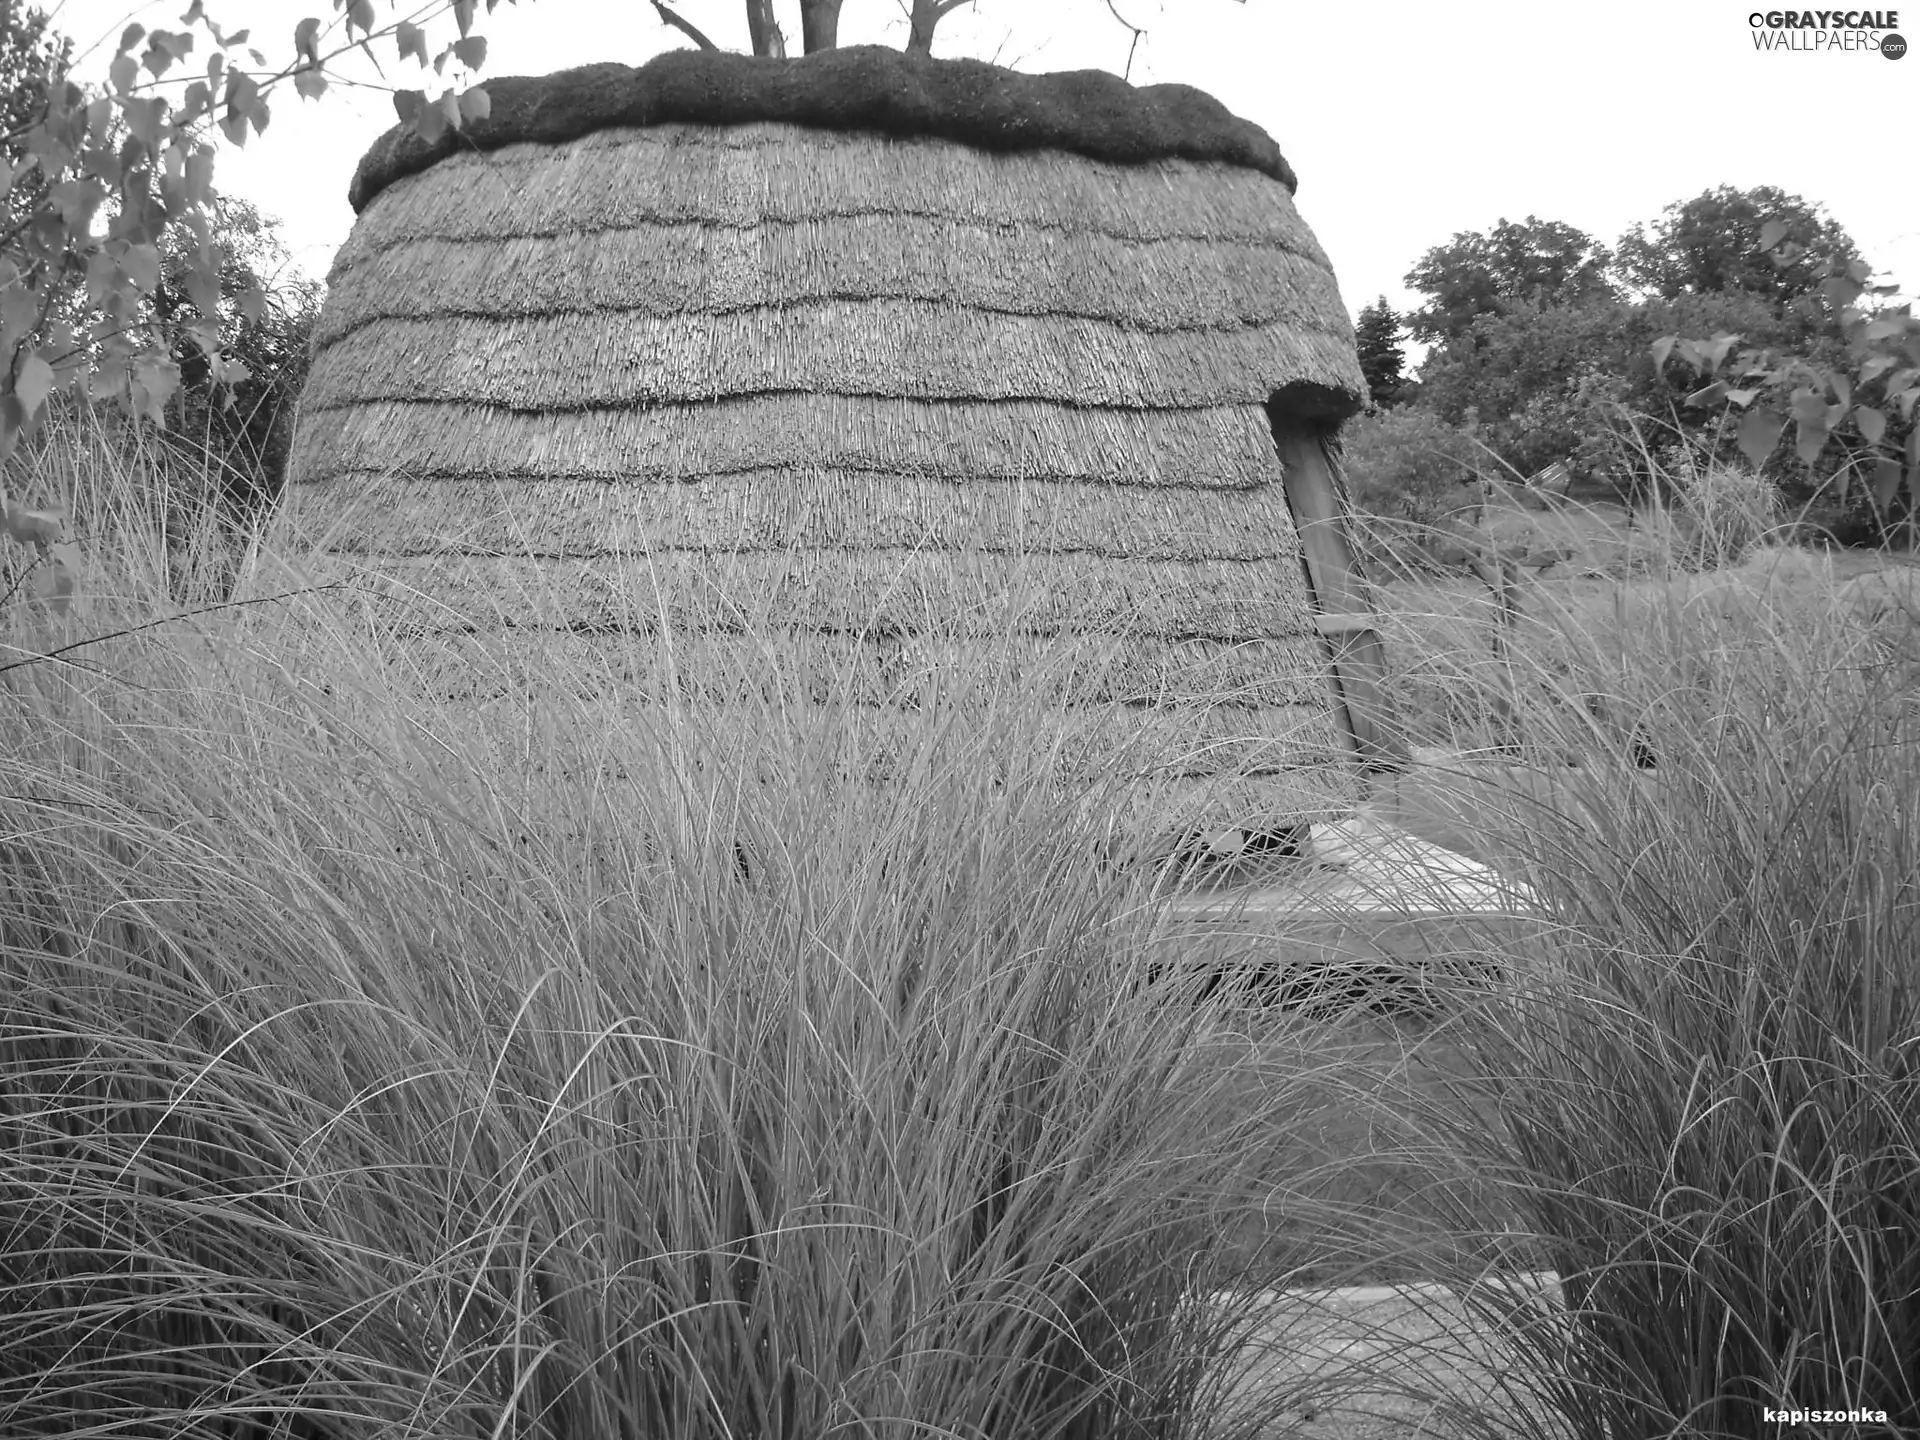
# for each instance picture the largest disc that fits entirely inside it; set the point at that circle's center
(863, 87)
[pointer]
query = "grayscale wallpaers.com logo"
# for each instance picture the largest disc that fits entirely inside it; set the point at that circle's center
(1828, 30)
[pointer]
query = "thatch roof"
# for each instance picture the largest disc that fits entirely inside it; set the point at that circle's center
(816, 366)
(862, 87)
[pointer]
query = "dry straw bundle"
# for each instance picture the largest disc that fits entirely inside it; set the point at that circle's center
(860, 341)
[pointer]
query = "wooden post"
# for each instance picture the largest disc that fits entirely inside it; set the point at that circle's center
(1341, 604)
(1502, 576)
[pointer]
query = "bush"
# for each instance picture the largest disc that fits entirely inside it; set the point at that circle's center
(1410, 472)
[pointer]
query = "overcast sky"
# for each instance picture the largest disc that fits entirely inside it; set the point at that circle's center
(1406, 121)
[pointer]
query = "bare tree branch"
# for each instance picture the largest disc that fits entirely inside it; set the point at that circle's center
(667, 17)
(1114, 11)
(927, 14)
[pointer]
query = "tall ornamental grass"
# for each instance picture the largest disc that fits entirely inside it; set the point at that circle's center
(534, 1064)
(1709, 1099)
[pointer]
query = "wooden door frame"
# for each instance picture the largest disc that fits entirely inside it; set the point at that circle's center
(1342, 601)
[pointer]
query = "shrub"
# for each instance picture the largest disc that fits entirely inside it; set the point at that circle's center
(1410, 471)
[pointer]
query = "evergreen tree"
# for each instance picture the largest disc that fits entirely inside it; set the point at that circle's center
(1382, 360)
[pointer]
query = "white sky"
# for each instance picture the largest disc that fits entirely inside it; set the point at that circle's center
(1406, 121)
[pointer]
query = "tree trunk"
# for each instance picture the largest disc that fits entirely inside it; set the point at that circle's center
(765, 30)
(927, 14)
(819, 25)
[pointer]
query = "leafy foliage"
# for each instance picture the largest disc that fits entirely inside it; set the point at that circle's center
(1537, 262)
(121, 178)
(1852, 410)
(242, 424)
(1711, 245)
(33, 57)
(1409, 467)
(1550, 383)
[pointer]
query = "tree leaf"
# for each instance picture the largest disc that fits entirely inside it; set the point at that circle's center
(1772, 233)
(430, 122)
(360, 13)
(199, 171)
(141, 265)
(1839, 291)
(58, 577)
(413, 41)
(406, 104)
(1741, 398)
(309, 84)
(1662, 348)
(1811, 439)
(1886, 480)
(1807, 407)
(1759, 434)
(472, 51)
(34, 527)
(123, 73)
(32, 383)
(1871, 423)
(474, 105)
(1840, 385)
(1708, 394)
(306, 40)
(463, 16)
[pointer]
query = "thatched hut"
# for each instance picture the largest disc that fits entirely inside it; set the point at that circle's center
(838, 320)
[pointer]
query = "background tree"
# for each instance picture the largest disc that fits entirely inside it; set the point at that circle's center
(1711, 245)
(33, 57)
(239, 429)
(1535, 262)
(1382, 360)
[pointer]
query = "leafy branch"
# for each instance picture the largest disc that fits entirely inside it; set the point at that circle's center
(1861, 407)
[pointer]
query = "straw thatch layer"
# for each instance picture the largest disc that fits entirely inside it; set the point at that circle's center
(962, 441)
(899, 349)
(672, 268)
(888, 593)
(862, 87)
(779, 174)
(807, 507)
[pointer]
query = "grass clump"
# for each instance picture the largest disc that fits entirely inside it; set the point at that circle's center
(402, 1065)
(1709, 1099)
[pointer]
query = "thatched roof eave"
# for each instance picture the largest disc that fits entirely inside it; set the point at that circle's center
(862, 87)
